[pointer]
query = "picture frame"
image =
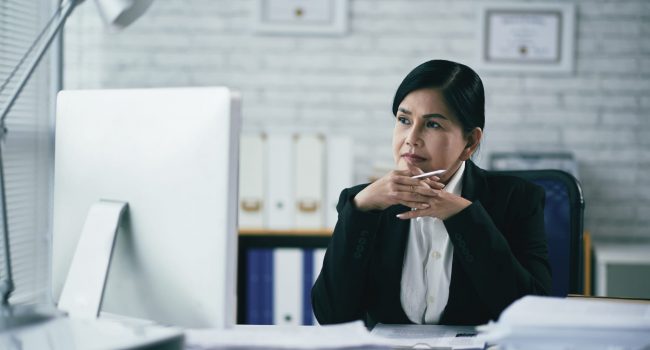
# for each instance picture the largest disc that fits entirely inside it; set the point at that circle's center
(537, 37)
(301, 17)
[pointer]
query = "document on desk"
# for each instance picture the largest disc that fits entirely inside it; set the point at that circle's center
(534, 322)
(429, 336)
(352, 335)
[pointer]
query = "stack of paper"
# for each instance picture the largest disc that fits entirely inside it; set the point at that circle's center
(571, 323)
(429, 336)
(348, 335)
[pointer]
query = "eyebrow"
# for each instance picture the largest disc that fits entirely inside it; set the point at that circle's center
(426, 116)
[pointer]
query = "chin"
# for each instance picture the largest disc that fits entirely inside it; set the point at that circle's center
(401, 165)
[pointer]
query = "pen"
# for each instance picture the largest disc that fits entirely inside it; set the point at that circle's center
(431, 173)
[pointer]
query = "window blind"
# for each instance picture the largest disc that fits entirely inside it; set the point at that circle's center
(28, 156)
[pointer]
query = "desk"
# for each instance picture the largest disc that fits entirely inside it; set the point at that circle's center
(353, 335)
(63, 333)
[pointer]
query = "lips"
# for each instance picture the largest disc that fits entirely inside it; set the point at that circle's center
(412, 157)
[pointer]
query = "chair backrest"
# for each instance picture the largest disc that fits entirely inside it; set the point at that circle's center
(563, 217)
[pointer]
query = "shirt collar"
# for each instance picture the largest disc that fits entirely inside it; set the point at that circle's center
(455, 185)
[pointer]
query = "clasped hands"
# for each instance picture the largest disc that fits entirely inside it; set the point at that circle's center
(425, 195)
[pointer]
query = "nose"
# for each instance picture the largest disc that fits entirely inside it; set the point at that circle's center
(413, 138)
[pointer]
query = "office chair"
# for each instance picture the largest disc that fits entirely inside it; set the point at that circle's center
(563, 219)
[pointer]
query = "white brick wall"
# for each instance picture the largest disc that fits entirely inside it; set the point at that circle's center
(344, 85)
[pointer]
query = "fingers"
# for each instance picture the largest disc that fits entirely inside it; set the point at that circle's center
(412, 214)
(404, 178)
(416, 190)
(414, 170)
(421, 212)
(408, 181)
(410, 199)
(414, 193)
(435, 184)
(417, 200)
(416, 205)
(408, 215)
(442, 207)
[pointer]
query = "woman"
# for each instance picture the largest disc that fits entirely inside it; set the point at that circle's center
(456, 248)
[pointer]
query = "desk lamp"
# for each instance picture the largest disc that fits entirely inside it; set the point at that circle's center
(117, 14)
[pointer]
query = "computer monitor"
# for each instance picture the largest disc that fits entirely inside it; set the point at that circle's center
(172, 154)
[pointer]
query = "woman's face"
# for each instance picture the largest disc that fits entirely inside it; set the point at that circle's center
(428, 135)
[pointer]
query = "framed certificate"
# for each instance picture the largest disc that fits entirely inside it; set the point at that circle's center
(527, 37)
(326, 17)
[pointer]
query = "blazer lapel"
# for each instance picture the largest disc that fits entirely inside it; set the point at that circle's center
(474, 182)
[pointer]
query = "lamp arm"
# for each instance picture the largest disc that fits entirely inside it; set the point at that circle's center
(67, 9)
(7, 284)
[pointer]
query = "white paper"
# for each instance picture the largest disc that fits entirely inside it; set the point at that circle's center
(570, 323)
(347, 335)
(429, 336)
(568, 312)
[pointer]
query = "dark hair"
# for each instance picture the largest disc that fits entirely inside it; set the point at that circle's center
(460, 86)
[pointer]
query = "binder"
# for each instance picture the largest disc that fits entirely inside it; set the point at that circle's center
(253, 287)
(339, 169)
(287, 286)
(279, 182)
(259, 291)
(309, 181)
(307, 283)
(251, 181)
(266, 268)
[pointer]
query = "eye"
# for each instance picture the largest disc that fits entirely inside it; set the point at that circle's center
(433, 124)
(403, 120)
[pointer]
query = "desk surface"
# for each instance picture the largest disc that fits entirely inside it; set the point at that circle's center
(63, 333)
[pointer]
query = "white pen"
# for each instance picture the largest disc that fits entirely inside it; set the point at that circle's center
(431, 173)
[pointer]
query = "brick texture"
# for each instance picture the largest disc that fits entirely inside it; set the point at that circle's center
(344, 84)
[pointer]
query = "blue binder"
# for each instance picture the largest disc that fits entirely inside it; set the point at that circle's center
(307, 282)
(266, 288)
(253, 284)
(259, 291)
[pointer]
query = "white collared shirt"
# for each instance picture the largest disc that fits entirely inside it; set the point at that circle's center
(426, 273)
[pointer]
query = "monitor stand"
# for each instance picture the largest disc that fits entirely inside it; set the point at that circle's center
(61, 333)
(83, 290)
(43, 327)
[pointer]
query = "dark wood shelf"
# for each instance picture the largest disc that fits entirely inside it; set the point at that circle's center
(324, 232)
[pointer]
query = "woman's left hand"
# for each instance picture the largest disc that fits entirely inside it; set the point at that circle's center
(442, 204)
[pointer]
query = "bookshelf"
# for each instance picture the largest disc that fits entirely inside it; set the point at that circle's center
(324, 232)
(271, 239)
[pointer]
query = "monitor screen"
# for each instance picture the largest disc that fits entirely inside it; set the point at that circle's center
(172, 154)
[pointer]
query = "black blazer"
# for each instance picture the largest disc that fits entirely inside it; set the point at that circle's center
(500, 255)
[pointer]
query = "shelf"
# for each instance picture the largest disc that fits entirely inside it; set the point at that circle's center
(324, 232)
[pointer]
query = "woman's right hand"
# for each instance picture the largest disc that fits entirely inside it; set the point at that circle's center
(396, 187)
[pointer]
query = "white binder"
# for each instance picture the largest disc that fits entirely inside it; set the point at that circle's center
(339, 170)
(251, 181)
(287, 286)
(309, 181)
(279, 182)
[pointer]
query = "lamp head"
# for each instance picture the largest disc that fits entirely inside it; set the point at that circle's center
(121, 13)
